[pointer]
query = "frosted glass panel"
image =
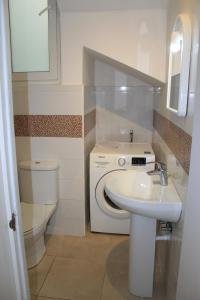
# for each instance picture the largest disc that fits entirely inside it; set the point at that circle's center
(29, 35)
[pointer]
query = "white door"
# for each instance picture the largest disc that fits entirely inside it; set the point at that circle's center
(13, 272)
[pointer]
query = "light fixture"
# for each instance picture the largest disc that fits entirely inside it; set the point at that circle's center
(123, 88)
(177, 40)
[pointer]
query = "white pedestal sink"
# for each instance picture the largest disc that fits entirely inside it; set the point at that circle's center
(147, 200)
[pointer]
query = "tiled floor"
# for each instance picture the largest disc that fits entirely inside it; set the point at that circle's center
(91, 268)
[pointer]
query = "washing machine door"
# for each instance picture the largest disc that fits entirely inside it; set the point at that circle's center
(105, 203)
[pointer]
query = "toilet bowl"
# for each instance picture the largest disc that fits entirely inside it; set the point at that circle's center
(35, 218)
(38, 188)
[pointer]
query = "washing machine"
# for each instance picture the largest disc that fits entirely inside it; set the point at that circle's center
(105, 159)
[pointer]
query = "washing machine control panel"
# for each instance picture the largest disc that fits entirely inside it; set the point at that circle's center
(121, 161)
(139, 161)
(132, 162)
(136, 156)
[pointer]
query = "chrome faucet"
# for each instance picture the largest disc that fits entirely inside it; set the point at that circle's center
(161, 170)
(131, 134)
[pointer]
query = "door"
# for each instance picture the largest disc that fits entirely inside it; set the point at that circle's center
(13, 273)
(105, 203)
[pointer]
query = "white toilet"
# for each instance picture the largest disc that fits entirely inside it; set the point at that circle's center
(39, 195)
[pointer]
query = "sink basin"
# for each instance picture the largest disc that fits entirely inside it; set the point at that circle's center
(142, 194)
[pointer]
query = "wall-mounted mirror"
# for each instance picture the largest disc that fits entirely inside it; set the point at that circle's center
(179, 66)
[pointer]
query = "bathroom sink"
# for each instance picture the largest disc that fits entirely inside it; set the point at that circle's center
(141, 194)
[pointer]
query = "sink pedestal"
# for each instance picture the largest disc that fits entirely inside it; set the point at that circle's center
(142, 255)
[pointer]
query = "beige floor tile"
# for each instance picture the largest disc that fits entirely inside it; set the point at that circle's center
(54, 244)
(119, 250)
(158, 296)
(98, 236)
(119, 237)
(57, 245)
(116, 284)
(47, 298)
(38, 274)
(87, 248)
(74, 279)
(82, 262)
(107, 236)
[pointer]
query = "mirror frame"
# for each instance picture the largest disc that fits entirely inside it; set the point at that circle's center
(185, 67)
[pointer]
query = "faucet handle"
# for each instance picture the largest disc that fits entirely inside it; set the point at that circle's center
(161, 166)
(131, 134)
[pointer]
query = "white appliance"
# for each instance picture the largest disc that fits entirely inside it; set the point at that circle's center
(39, 196)
(105, 159)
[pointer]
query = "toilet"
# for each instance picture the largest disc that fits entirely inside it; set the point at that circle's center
(39, 196)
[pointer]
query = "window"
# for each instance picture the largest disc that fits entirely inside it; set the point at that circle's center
(34, 39)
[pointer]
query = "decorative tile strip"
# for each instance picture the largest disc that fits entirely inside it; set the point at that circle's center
(177, 139)
(48, 125)
(89, 121)
(21, 125)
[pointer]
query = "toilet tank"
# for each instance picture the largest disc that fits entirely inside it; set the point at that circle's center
(38, 181)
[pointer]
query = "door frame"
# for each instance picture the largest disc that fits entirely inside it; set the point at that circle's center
(9, 178)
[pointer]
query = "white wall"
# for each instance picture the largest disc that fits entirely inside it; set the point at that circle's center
(45, 99)
(120, 111)
(96, 5)
(135, 38)
(180, 178)
(189, 274)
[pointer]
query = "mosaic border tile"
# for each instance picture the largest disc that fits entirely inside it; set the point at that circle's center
(48, 125)
(176, 138)
(89, 121)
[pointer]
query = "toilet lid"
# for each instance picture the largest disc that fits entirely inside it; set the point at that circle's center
(35, 215)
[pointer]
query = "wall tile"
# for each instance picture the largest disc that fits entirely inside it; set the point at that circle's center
(89, 121)
(180, 180)
(69, 209)
(47, 99)
(71, 169)
(48, 126)
(119, 112)
(90, 141)
(69, 218)
(71, 189)
(111, 126)
(58, 148)
(23, 148)
(74, 227)
(176, 138)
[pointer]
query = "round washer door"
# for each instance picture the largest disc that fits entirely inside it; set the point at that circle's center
(105, 203)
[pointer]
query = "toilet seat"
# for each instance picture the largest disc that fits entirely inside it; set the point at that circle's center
(35, 216)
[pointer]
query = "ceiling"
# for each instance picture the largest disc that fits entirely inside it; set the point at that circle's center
(103, 5)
